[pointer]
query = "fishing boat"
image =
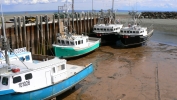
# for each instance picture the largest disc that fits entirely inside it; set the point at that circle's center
(134, 33)
(107, 25)
(70, 45)
(24, 78)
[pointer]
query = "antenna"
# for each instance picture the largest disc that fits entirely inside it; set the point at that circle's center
(5, 39)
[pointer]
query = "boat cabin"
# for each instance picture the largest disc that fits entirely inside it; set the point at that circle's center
(134, 30)
(26, 76)
(74, 40)
(23, 55)
(110, 28)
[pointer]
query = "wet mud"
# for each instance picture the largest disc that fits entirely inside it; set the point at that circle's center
(148, 72)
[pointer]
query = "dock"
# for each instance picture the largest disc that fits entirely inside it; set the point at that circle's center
(39, 36)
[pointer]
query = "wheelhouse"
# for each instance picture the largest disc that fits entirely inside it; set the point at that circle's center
(73, 41)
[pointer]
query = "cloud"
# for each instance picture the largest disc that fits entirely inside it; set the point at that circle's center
(8, 2)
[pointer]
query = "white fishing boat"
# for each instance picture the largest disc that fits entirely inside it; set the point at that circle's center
(134, 33)
(24, 78)
(107, 25)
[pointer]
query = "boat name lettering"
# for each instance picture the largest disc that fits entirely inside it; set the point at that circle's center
(25, 83)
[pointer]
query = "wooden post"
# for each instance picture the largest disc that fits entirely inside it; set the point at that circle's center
(37, 39)
(85, 25)
(54, 32)
(42, 37)
(91, 19)
(20, 32)
(24, 33)
(88, 25)
(80, 15)
(16, 32)
(73, 28)
(77, 24)
(47, 36)
(59, 31)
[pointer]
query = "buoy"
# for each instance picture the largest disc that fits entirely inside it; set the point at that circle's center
(15, 70)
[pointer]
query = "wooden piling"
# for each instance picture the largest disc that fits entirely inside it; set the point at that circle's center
(20, 32)
(24, 32)
(80, 23)
(77, 24)
(37, 36)
(42, 37)
(16, 32)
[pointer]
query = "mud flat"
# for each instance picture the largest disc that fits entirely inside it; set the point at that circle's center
(142, 73)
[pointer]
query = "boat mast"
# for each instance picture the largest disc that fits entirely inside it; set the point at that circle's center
(112, 6)
(5, 39)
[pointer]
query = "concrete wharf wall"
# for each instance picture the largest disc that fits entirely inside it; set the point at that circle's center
(38, 37)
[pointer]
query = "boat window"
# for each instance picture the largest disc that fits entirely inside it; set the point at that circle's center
(121, 31)
(62, 41)
(137, 31)
(4, 81)
(133, 31)
(104, 29)
(98, 29)
(27, 58)
(130, 31)
(58, 41)
(127, 31)
(124, 31)
(76, 42)
(94, 28)
(101, 29)
(72, 43)
(28, 76)
(22, 59)
(0, 78)
(67, 42)
(17, 79)
(108, 29)
(53, 69)
(62, 67)
(111, 29)
(79, 42)
(82, 41)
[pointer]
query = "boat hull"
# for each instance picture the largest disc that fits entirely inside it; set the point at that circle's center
(133, 40)
(67, 52)
(50, 91)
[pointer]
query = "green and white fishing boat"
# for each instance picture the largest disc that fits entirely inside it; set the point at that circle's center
(69, 45)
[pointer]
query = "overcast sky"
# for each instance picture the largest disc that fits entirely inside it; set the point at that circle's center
(36, 5)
